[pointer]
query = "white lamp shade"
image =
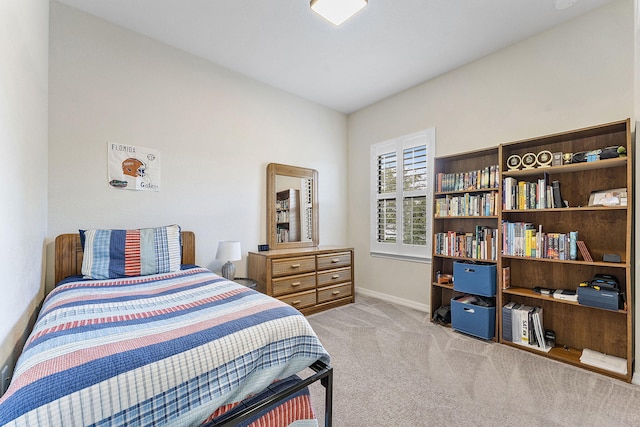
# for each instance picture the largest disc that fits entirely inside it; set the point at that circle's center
(337, 11)
(229, 251)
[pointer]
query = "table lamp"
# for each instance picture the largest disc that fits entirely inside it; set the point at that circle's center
(229, 251)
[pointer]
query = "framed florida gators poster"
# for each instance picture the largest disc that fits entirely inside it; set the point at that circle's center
(133, 168)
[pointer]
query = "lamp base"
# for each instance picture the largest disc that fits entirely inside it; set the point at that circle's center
(228, 271)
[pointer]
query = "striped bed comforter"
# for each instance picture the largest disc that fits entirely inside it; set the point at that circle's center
(166, 349)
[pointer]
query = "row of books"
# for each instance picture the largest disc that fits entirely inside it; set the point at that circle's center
(282, 216)
(485, 204)
(523, 324)
(531, 195)
(522, 239)
(481, 244)
(282, 235)
(489, 177)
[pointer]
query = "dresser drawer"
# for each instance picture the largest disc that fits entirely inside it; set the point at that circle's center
(301, 299)
(334, 292)
(333, 277)
(338, 259)
(290, 284)
(289, 266)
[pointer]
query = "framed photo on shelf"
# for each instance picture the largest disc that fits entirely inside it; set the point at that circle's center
(613, 197)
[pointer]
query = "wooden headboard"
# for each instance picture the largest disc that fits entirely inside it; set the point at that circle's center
(69, 252)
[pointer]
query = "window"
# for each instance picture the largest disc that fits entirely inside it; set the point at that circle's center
(401, 188)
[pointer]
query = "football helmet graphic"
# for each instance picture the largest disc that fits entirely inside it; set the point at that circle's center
(133, 167)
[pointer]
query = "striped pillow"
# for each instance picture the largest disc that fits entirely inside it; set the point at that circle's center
(109, 254)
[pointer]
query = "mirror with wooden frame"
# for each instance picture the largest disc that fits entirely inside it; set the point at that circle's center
(292, 206)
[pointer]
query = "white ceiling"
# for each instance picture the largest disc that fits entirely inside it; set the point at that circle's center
(391, 45)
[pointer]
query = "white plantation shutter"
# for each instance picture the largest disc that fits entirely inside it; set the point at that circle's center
(415, 195)
(402, 176)
(386, 214)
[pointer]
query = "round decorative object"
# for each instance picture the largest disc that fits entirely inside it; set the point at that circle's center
(514, 162)
(544, 158)
(529, 161)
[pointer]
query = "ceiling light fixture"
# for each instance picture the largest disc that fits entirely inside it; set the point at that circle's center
(337, 11)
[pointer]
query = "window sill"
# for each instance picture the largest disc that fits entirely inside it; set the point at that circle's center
(408, 258)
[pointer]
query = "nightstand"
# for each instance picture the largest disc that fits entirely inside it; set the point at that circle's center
(244, 281)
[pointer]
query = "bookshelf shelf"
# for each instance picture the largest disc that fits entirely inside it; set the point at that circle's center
(568, 355)
(458, 258)
(622, 264)
(529, 293)
(442, 285)
(604, 230)
(570, 168)
(526, 292)
(455, 193)
(569, 209)
(466, 217)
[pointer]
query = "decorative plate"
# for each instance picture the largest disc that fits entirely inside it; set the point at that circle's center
(529, 161)
(514, 162)
(544, 158)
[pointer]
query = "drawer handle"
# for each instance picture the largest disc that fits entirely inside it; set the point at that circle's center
(296, 302)
(335, 276)
(294, 284)
(335, 260)
(335, 292)
(295, 265)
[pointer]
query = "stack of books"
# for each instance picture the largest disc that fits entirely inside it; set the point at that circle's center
(604, 361)
(523, 325)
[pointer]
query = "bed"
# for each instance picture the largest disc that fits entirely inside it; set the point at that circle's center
(183, 347)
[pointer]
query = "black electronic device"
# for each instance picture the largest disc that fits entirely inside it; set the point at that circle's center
(596, 296)
(611, 258)
(605, 281)
(550, 337)
(543, 291)
(263, 248)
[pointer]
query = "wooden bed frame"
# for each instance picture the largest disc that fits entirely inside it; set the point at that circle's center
(69, 253)
(68, 262)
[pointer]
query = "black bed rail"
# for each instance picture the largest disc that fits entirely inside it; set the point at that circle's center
(323, 373)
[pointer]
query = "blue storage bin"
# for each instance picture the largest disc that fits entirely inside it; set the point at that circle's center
(474, 278)
(473, 319)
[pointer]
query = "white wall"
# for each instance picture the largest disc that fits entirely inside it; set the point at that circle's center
(578, 74)
(23, 143)
(216, 131)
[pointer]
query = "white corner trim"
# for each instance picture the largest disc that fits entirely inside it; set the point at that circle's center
(395, 300)
(635, 379)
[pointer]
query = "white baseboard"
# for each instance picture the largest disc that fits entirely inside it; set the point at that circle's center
(392, 299)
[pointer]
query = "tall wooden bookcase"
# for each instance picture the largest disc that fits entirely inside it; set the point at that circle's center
(459, 179)
(605, 230)
(288, 216)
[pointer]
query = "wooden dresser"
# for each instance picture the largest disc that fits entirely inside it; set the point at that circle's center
(309, 279)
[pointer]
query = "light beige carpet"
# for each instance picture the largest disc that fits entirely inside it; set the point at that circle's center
(392, 367)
